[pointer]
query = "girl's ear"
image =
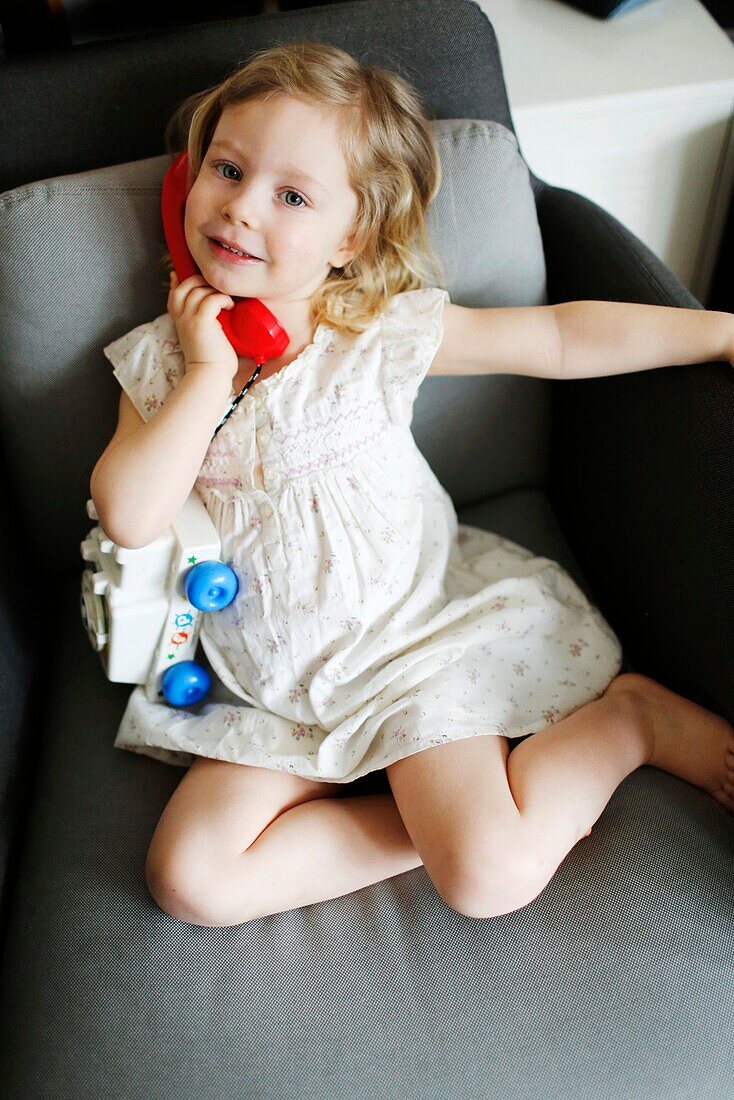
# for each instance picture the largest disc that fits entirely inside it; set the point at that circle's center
(346, 253)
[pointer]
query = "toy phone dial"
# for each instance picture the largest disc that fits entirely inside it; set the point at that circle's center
(252, 330)
(142, 608)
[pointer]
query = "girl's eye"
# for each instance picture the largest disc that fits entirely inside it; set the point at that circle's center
(291, 192)
(224, 164)
(288, 191)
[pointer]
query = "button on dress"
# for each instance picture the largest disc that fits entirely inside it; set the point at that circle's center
(369, 624)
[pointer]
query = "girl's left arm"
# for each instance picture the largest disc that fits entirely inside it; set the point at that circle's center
(584, 339)
(600, 338)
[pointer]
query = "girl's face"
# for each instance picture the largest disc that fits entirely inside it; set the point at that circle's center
(273, 181)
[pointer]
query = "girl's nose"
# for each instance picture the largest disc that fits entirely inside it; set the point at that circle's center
(242, 207)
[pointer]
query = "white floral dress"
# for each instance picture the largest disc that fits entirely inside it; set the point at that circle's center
(369, 624)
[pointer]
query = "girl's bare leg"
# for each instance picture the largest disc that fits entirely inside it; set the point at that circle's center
(561, 779)
(563, 776)
(318, 850)
(493, 826)
(328, 847)
(690, 741)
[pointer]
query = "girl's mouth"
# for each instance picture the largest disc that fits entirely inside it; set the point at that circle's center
(228, 257)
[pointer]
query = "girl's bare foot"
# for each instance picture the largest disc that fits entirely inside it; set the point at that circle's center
(686, 739)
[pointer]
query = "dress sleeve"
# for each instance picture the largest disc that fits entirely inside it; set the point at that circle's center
(148, 363)
(412, 330)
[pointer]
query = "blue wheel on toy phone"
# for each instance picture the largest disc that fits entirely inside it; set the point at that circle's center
(185, 683)
(211, 585)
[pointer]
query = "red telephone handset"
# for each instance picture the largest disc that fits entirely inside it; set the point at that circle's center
(252, 330)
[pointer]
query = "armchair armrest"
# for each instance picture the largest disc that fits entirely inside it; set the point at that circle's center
(23, 622)
(642, 467)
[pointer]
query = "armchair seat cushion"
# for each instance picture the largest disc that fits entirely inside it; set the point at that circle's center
(627, 940)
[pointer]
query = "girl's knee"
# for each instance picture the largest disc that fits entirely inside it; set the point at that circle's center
(487, 882)
(182, 892)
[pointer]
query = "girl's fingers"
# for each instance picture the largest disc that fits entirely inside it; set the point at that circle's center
(197, 301)
(197, 298)
(188, 284)
(194, 296)
(218, 301)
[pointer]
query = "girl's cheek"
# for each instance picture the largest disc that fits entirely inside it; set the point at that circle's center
(299, 241)
(190, 224)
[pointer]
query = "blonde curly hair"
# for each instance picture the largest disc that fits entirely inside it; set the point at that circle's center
(392, 161)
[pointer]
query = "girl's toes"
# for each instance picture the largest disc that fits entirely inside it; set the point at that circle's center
(726, 799)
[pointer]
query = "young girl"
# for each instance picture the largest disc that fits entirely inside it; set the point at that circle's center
(370, 630)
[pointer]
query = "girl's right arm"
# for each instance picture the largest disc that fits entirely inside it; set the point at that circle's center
(148, 469)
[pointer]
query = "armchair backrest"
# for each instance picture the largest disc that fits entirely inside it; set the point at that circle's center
(80, 251)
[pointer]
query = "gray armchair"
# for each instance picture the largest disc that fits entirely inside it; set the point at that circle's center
(618, 979)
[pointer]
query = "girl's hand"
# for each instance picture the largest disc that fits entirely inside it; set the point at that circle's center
(195, 306)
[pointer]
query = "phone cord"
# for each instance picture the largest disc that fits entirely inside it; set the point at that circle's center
(238, 398)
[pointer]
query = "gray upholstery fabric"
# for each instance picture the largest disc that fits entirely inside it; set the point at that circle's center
(90, 244)
(615, 982)
(134, 84)
(483, 220)
(447, 49)
(642, 470)
(618, 980)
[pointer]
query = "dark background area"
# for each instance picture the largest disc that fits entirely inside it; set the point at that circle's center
(32, 26)
(27, 26)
